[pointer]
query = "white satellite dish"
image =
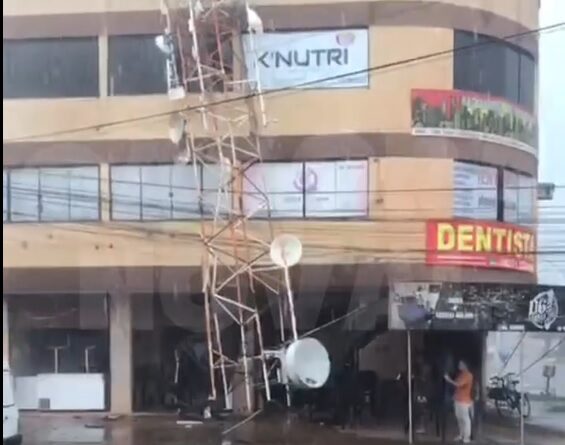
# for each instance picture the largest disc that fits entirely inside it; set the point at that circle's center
(254, 22)
(177, 126)
(164, 43)
(286, 250)
(307, 364)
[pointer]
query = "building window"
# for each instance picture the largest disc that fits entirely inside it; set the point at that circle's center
(5, 201)
(155, 192)
(52, 194)
(336, 189)
(329, 189)
(136, 66)
(274, 189)
(47, 68)
(494, 67)
(475, 191)
(519, 198)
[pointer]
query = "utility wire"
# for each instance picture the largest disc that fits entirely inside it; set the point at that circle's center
(63, 197)
(292, 88)
(505, 364)
(549, 351)
(143, 232)
(141, 182)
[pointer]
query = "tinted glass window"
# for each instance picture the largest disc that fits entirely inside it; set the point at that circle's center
(53, 194)
(330, 189)
(136, 66)
(43, 68)
(24, 195)
(494, 67)
(154, 192)
(5, 196)
(527, 81)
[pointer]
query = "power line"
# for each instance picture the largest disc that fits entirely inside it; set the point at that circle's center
(141, 182)
(549, 351)
(137, 232)
(53, 195)
(295, 87)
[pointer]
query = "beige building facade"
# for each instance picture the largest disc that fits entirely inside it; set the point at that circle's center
(414, 129)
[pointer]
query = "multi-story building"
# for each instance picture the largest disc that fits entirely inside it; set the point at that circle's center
(413, 169)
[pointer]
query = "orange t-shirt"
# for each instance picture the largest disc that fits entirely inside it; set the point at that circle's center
(463, 392)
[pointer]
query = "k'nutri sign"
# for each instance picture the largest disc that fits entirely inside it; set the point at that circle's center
(480, 244)
(471, 306)
(463, 114)
(302, 59)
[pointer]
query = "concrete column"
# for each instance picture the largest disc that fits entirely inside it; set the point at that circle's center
(5, 333)
(121, 368)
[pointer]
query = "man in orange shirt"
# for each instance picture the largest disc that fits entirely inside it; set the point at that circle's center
(463, 401)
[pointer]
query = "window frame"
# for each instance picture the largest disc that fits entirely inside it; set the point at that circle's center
(519, 174)
(304, 217)
(462, 56)
(499, 196)
(140, 204)
(96, 72)
(109, 74)
(39, 219)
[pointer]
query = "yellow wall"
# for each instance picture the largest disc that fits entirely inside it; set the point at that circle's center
(27, 119)
(381, 237)
(521, 11)
(385, 107)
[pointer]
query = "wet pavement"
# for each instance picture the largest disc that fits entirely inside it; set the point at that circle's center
(548, 413)
(93, 429)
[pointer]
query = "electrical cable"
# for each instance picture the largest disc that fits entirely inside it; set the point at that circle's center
(292, 88)
(505, 364)
(193, 210)
(549, 351)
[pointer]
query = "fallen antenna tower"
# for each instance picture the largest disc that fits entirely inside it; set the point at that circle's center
(205, 42)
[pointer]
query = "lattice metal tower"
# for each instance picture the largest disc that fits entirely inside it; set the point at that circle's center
(206, 41)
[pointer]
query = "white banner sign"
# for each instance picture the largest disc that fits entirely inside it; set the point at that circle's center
(302, 59)
(275, 188)
(336, 189)
(475, 194)
(331, 189)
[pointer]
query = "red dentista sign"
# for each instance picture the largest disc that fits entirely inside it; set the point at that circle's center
(487, 244)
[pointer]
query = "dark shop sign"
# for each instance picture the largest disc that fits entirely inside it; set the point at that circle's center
(472, 306)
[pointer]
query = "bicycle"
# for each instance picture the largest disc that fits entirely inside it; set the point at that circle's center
(503, 390)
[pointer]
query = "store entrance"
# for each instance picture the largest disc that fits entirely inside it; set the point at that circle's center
(438, 354)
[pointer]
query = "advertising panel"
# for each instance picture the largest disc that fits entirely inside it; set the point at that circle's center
(281, 182)
(331, 189)
(336, 189)
(290, 59)
(475, 191)
(472, 306)
(480, 244)
(453, 113)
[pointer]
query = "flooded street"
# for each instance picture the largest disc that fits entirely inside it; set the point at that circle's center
(92, 429)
